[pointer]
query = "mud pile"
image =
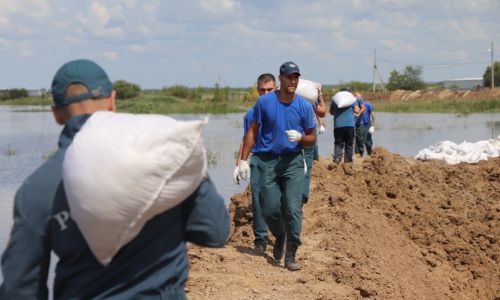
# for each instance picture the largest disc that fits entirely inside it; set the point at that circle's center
(390, 228)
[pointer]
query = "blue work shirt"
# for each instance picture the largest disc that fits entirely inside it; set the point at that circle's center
(153, 265)
(359, 102)
(246, 124)
(275, 117)
(365, 117)
(343, 117)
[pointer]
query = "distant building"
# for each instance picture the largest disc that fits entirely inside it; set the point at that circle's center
(463, 83)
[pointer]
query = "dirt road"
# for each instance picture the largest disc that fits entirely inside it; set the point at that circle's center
(395, 228)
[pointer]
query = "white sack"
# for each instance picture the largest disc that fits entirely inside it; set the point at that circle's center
(465, 152)
(121, 170)
(343, 99)
(307, 89)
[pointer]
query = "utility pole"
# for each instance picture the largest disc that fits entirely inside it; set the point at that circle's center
(492, 68)
(376, 73)
(374, 67)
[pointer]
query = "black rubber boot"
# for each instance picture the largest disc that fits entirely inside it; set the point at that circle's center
(278, 248)
(260, 247)
(290, 262)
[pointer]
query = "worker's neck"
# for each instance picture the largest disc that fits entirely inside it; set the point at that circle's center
(285, 96)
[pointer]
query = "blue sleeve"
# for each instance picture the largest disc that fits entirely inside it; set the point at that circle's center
(257, 112)
(309, 119)
(25, 261)
(207, 217)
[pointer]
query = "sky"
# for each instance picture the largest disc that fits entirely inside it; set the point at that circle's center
(195, 43)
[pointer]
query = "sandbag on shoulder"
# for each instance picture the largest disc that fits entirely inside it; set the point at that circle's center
(307, 89)
(343, 99)
(121, 170)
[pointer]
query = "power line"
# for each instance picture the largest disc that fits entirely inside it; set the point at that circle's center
(456, 62)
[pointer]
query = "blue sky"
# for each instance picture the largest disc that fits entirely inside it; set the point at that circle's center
(201, 42)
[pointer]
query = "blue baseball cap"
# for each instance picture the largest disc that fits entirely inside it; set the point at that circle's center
(289, 68)
(81, 71)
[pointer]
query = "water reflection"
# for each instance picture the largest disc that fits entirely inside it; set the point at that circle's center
(33, 136)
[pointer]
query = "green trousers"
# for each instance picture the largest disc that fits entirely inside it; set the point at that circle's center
(281, 182)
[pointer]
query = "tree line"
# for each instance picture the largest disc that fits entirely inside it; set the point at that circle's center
(410, 78)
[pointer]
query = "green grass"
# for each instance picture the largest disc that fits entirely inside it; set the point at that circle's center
(10, 151)
(461, 106)
(165, 104)
(162, 103)
(27, 101)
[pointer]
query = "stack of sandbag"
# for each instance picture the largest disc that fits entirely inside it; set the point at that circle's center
(343, 99)
(465, 152)
(121, 170)
(308, 89)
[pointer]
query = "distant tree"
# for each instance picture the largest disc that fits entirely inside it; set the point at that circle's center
(126, 90)
(487, 75)
(356, 86)
(17, 93)
(251, 94)
(221, 94)
(179, 91)
(409, 79)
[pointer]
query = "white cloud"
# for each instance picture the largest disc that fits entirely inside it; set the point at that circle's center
(219, 6)
(137, 48)
(97, 21)
(111, 55)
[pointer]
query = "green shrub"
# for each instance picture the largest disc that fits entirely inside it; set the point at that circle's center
(126, 90)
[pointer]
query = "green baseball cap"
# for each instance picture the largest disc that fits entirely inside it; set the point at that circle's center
(81, 71)
(289, 68)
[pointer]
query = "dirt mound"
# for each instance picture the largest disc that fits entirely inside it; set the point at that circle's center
(427, 95)
(391, 228)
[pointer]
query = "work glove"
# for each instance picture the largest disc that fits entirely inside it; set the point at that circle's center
(371, 130)
(244, 170)
(236, 175)
(293, 135)
(321, 129)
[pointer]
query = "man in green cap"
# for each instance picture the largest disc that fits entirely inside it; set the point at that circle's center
(153, 265)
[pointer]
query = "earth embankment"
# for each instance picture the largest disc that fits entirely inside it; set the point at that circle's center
(390, 228)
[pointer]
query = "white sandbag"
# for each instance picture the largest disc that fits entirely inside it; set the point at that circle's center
(343, 99)
(464, 152)
(307, 89)
(121, 170)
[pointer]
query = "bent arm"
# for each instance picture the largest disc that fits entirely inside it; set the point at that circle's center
(249, 140)
(320, 108)
(308, 138)
(207, 217)
(25, 262)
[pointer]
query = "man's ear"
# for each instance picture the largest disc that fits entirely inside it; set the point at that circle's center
(112, 101)
(58, 115)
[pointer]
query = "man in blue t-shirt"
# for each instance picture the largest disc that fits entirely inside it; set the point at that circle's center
(367, 127)
(358, 135)
(343, 131)
(284, 124)
(266, 83)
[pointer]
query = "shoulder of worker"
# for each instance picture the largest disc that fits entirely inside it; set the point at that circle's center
(35, 198)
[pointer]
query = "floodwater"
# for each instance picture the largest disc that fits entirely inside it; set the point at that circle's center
(27, 138)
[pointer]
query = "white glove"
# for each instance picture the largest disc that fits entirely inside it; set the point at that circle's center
(371, 130)
(236, 175)
(244, 170)
(293, 135)
(321, 129)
